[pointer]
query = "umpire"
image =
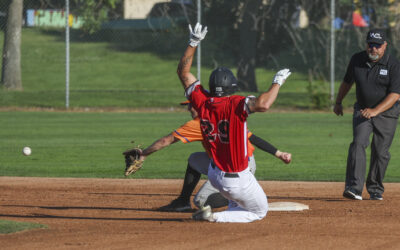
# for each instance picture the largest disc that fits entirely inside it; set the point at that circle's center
(377, 78)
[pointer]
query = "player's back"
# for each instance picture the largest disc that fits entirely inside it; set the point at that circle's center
(223, 122)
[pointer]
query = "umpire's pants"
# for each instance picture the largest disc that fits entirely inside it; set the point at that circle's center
(383, 128)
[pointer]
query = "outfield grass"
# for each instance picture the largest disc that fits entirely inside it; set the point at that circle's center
(103, 76)
(7, 227)
(66, 144)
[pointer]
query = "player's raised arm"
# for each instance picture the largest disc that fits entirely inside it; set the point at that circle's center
(186, 61)
(266, 99)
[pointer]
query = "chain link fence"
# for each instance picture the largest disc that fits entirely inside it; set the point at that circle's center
(121, 50)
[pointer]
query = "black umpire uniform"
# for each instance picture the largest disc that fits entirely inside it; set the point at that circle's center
(376, 111)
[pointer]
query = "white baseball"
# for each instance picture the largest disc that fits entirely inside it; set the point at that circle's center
(27, 151)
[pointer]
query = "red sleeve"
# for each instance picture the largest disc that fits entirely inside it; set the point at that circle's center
(197, 95)
(240, 103)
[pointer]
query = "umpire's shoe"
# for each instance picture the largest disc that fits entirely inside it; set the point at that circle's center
(376, 196)
(177, 205)
(350, 193)
(204, 213)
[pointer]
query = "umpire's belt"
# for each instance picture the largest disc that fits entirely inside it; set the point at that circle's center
(226, 175)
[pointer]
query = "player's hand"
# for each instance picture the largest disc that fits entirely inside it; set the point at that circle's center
(338, 109)
(284, 156)
(281, 76)
(197, 34)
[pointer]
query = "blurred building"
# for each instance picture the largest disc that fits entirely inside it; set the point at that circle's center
(138, 9)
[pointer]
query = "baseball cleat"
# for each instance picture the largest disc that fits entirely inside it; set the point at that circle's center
(177, 205)
(351, 194)
(376, 196)
(204, 213)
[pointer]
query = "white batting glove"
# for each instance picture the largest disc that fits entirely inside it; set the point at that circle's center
(281, 76)
(197, 34)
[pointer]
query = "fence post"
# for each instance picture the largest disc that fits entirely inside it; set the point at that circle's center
(199, 46)
(67, 54)
(332, 50)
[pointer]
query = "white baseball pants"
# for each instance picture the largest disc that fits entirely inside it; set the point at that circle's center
(200, 161)
(249, 200)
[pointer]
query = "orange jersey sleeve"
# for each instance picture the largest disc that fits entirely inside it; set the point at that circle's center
(188, 132)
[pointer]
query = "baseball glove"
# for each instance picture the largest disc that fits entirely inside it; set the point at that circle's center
(132, 161)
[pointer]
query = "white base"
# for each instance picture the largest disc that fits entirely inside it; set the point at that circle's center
(287, 206)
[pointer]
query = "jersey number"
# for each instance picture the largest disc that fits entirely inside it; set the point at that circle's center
(223, 130)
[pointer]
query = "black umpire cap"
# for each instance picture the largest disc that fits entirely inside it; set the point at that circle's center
(376, 36)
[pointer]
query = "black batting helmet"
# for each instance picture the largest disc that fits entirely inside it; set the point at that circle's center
(222, 82)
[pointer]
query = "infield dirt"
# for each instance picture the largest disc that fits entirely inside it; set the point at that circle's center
(122, 214)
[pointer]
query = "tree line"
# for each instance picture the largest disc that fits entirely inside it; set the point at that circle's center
(255, 33)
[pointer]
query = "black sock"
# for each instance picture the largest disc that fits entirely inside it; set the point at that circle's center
(192, 177)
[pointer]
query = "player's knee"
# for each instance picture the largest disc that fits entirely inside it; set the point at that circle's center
(263, 209)
(262, 213)
(216, 200)
(192, 160)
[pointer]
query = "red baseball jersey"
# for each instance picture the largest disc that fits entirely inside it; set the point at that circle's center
(190, 132)
(224, 127)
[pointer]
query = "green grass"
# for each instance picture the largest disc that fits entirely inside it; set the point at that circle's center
(69, 144)
(7, 227)
(100, 76)
(66, 144)
(103, 76)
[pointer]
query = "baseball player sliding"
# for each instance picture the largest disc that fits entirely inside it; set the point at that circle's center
(198, 163)
(224, 128)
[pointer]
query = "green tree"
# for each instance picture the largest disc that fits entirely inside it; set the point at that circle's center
(249, 27)
(253, 32)
(94, 12)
